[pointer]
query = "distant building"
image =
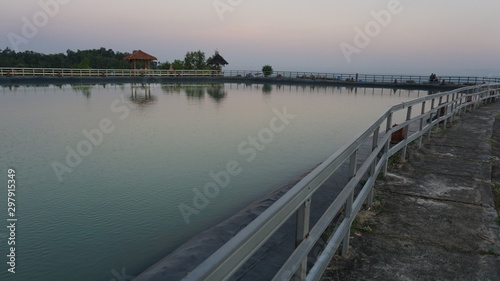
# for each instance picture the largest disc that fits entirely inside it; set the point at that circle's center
(140, 58)
(217, 62)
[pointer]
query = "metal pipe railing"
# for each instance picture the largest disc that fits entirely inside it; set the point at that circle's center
(228, 259)
(349, 77)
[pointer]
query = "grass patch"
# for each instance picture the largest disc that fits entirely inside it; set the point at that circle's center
(367, 229)
(355, 224)
(394, 160)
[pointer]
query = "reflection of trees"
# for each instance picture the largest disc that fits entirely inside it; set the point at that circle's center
(171, 88)
(85, 89)
(267, 89)
(216, 91)
(197, 91)
(141, 94)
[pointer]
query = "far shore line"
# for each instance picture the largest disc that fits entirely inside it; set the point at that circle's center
(32, 80)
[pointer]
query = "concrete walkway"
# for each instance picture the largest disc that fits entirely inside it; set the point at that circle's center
(434, 215)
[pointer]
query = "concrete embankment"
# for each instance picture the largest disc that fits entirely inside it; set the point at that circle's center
(23, 80)
(434, 217)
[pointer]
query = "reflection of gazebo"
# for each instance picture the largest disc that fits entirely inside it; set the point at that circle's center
(138, 91)
(216, 62)
(140, 56)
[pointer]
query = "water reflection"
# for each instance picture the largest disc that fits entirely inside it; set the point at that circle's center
(217, 92)
(85, 89)
(267, 89)
(197, 91)
(141, 94)
(194, 92)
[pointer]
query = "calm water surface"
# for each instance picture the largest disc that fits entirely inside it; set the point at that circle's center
(102, 169)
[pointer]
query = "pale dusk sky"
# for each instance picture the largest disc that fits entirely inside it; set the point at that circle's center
(379, 36)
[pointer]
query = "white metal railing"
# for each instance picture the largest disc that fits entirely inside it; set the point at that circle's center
(73, 72)
(370, 78)
(434, 110)
(348, 77)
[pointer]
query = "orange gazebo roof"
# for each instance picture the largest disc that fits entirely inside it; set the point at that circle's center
(140, 56)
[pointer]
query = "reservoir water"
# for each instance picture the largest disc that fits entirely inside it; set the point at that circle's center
(112, 178)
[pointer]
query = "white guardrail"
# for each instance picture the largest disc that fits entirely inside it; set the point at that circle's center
(422, 115)
(350, 77)
(434, 110)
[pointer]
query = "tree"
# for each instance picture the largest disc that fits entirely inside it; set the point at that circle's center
(84, 64)
(195, 61)
(178, 64)
(267, 70)
(164, 65)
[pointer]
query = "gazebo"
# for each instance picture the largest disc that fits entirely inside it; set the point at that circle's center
(140, 56)
(217, 61)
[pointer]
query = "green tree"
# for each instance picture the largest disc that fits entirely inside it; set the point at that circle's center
(195, 61)
(178, 64)
(267, 70)
(84, 64)
(164, 65)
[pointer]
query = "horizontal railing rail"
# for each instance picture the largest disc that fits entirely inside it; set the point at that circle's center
(370, 78)
(73, 72)
(346, 77)
(415, 119)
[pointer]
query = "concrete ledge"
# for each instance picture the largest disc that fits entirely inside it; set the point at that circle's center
(22, 80)
(434, 217)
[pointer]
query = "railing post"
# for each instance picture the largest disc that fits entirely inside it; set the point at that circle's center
(433, 102)
(353, 164)
(301, 233)
(421, 138)
(438, 114)
(447, 111)
(369, 200)
(348, 215)
(463, 103)
(403, 150)
(353, 169)
(453, 106)
(375, 138)
(388, 143)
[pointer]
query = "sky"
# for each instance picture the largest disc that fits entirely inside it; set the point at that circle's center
(446, 37)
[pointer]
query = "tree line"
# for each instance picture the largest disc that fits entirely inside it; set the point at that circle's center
(94, 59)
